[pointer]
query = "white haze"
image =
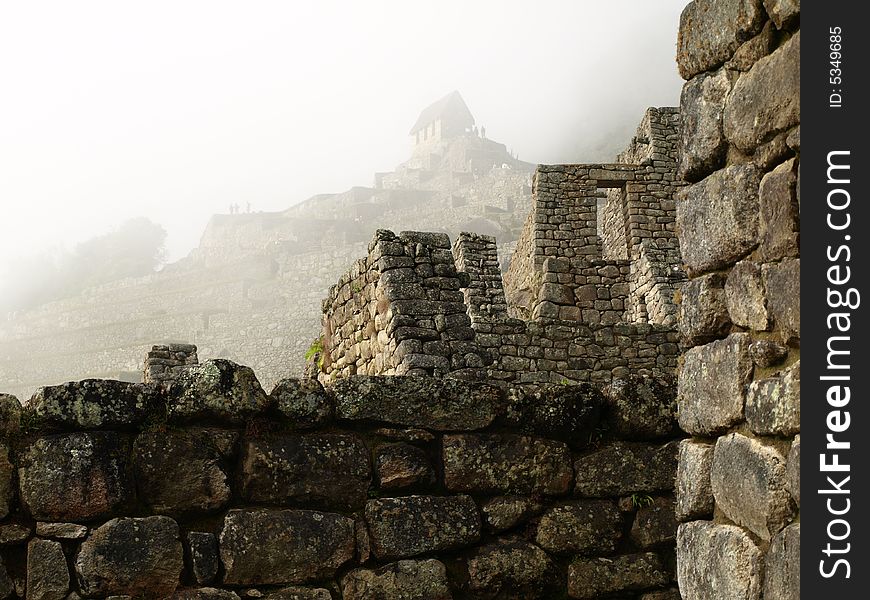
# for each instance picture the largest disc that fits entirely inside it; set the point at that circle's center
(176, 109)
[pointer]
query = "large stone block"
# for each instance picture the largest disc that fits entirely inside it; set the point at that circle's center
(513, 569)
(773, 405)
(581, 527)
(568, 413)
(779, 225)
(703, 312)
(10, 416)
(7, 487)
(403, 466)
(793, 468)
(412, 525)
(702, 141)
(217, 390)
(782, 572)
(47, 572)
(94, 404)
(402, 580)
(718, 562)
(303, 402)
(710, 386)
(181, 472)
(142, 558)
(76, 476)
(655, 524)
(641, 408)
(782, 285)
(717, 218)
(712, 30)
(694, 491)
(273, 547)
(765, 101)
(783, 12)
(744, 295)
(625, 468)
(506, 464)
(328, 470)
(437, 404)
(750, 486)
(504, 512)
(591, 578)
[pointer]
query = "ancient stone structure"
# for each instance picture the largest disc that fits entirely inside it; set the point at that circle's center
(372, 488)
(593, 280)
(164, 363)
(251, 290)
(738, 489)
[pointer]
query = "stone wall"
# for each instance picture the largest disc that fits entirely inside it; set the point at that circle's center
(738, 491)
(373, 488)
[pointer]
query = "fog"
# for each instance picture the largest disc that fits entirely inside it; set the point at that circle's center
(175, 110)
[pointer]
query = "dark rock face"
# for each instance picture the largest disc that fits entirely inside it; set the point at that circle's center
(7, 488)
(304, 402)
(299, 593)
(566, 413)
(401, 466)
(402, 580)
(76, 476)
(507, 464)
(217, 390)
(504, 512)
(205, 594)
(512, 569)
(436, 404)
(274, 547)
(641, 408)
(203, 553)
(325, 470)
(142, 558)
(10, 415)
(590, 578)
(581, 527)
(625, 468)
(413, 525)
(94, 403)
(7, 587)
(179, 472)
(47, 573)
(655, 523)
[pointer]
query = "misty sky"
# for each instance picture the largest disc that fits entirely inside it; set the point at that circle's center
(175, 109)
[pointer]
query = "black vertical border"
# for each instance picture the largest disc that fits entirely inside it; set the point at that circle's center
(825, 129)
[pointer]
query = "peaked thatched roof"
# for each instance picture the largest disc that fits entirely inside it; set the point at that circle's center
(451, 107)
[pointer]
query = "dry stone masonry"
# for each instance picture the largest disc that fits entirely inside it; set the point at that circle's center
(372, 488)
(738, 496)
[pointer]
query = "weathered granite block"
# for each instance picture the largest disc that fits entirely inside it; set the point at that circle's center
(513, 569)
(782, 285)
(641, 408)
(773, 405)
(323, 470)
(506, 464)
(61, 531)
(711, 30)
(304, 402)
(655, 523)
(184, 471)
(586, 527)
(47, 572)
(783, 12)
(142, 558)
(779, 226)
(273, 547)
(718, 562)
(703, 312)
(590, 578)
(710, 385)
(413, 525)
(749, 485)
(202, 550)
(793, 469)
(702, 141)
(76, 476)
(624, 468)
(218, 390)
(504, 512)
(94, 404)
(782, 573)
(744, 296)
(437, 404)
(717, 218)
(766, 99)
(402, 466)
(694, 491)
(406, 579)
